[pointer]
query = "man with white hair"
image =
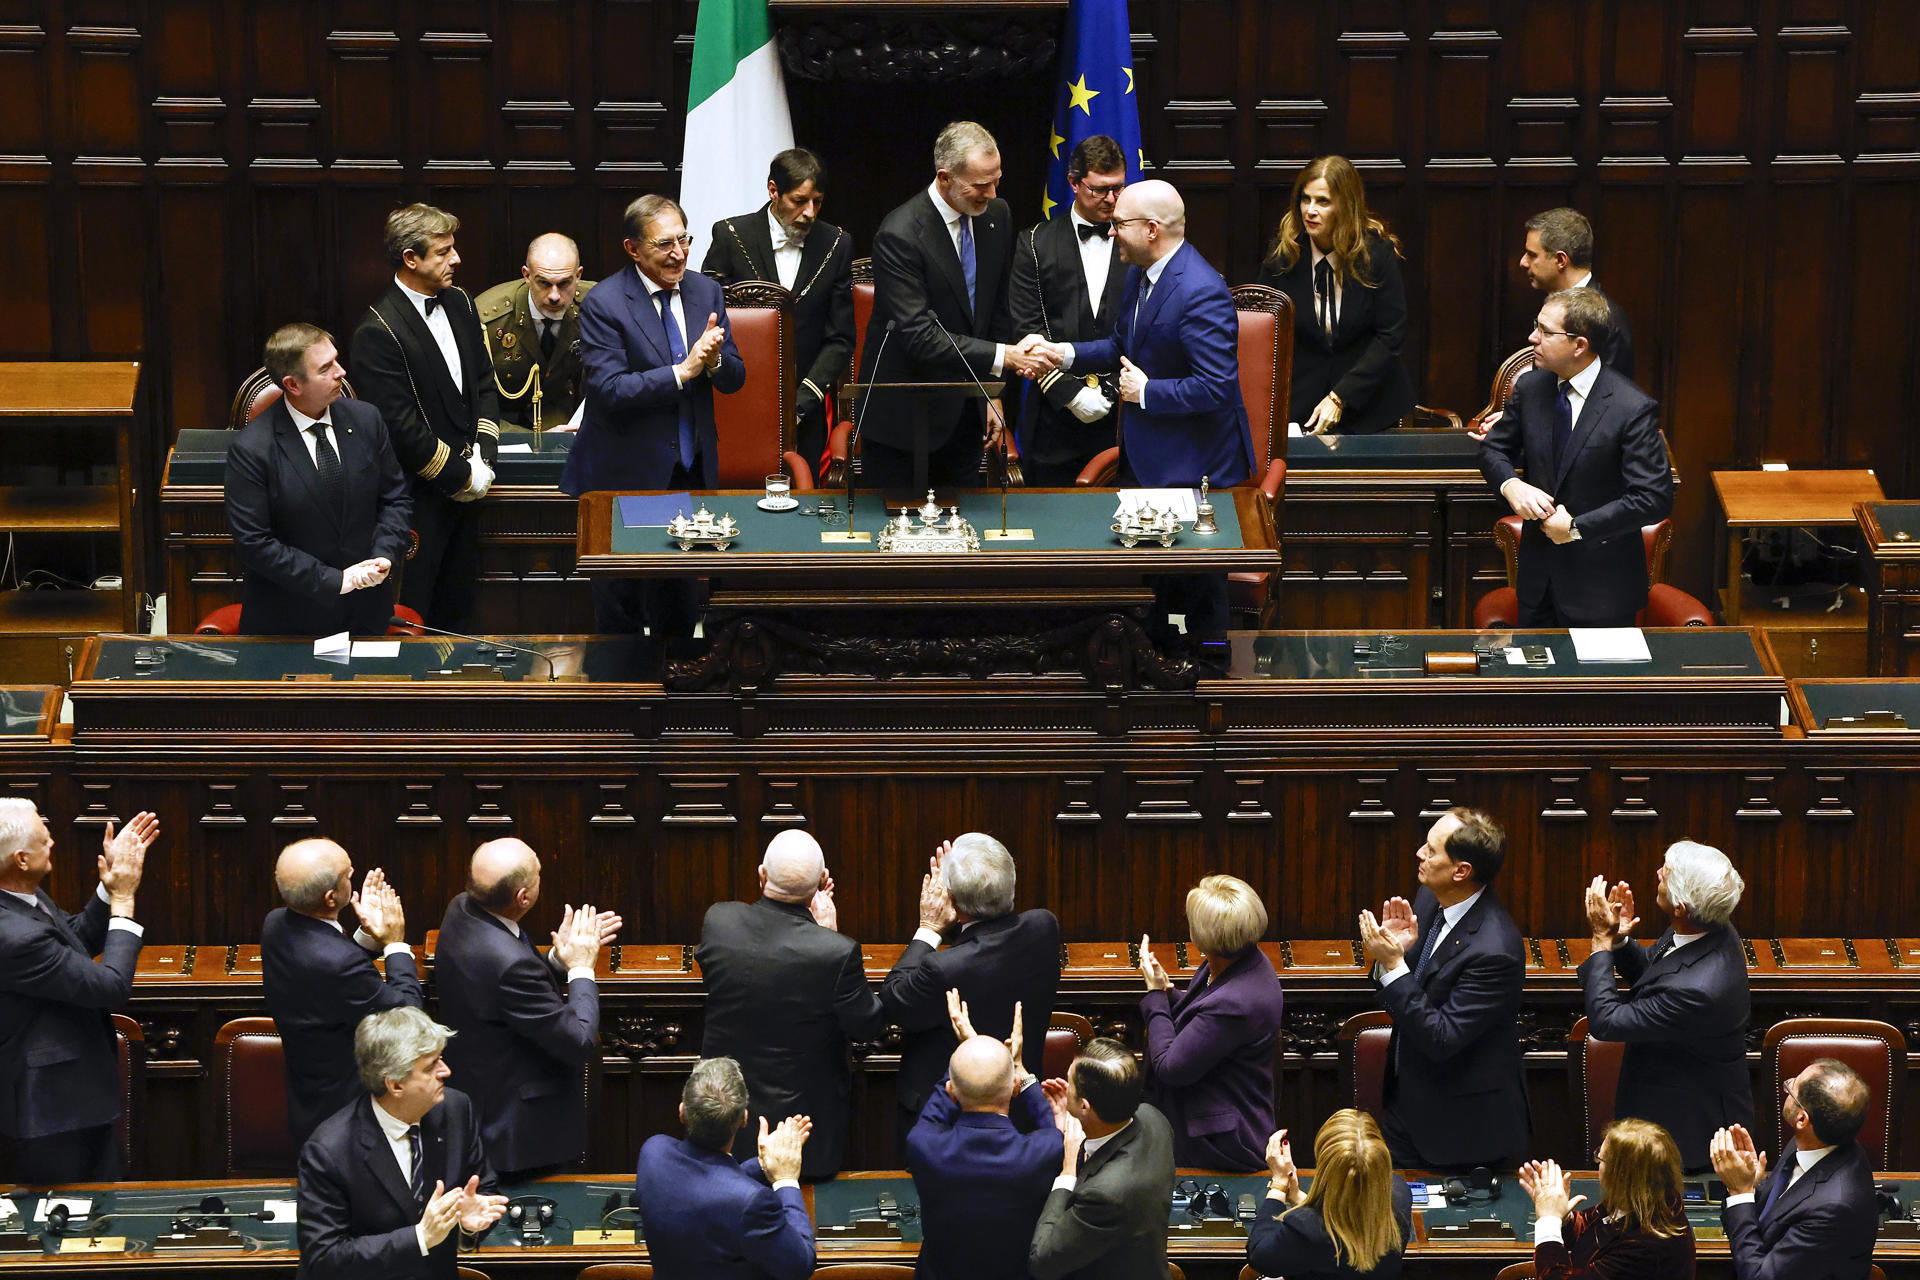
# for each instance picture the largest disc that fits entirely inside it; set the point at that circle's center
(785, 994)
(386, 1179)
(1683, 1014)
(59, 1080)
(998, 961)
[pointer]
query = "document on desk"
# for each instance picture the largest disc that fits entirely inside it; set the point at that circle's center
(516, 448)
(1182, 502)
(1609, 644)
(338, 644)
(376, 648)
(653, 510)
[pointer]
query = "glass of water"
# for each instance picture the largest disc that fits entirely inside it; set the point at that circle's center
(779, 488)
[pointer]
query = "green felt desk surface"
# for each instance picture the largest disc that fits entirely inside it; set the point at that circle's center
(229, 659)
(23, 711)
(1896, 519)
(1061, 520)
(1680, 653)
(1822, 702)
(1385, 451)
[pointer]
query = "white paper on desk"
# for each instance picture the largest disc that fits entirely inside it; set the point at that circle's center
(376, 648)
(8, 1209)
(1293, 429)
(77, 1207)
(579, 412)
(281, 1210)
(514, 448)
(1184, 503)
(328, 646)
(1609, 644)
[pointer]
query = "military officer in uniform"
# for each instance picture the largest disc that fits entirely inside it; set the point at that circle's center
(785, 243)
(533, 323)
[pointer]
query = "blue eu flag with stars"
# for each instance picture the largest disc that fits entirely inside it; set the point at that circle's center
(1095, 96)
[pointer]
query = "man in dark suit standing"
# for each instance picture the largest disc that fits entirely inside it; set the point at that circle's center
(1559, 255)
(785, 994)
(999, 961)
(1816, 1218)
(528, 1024)
(784, 242)
(422, 362)
(532, 329)
(981, 1180)
(1683, 1016)
(657, 348)
(1106, 1216)
(59, 1074)
(385, 1180)
(1451, 968)
(1597, 471)
(708, 1218)
(320, 983)
(1067, 278)
(940, 264)
(316, 500)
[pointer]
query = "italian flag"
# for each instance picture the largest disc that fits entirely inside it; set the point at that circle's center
(736, 113)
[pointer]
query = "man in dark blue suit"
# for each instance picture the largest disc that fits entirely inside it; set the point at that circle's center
(59, 1075)
(1683, 1016)
(1559, 255)
(705, 1217)
(386, 1179)
(656, 345)
(1597, 471)
(1176, 344)
(1816, 1217)
(320, 983)
(316, 500)
(1451, 968)
(528, 1024)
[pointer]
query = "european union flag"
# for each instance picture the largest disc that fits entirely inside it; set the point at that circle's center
(1096, 94)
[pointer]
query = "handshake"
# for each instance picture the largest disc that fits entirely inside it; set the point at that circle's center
(1034, 356)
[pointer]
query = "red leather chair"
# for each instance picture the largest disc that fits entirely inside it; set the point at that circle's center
(130, 1051)
(1877, 1050)
(225, 621)
(752, 423)
(1517, 1271)
(256, 393)
(1364, 1039)
(1666, 606)
(864, 1271)
(1594, 1068)
(250, 1068)
(1067, 1035)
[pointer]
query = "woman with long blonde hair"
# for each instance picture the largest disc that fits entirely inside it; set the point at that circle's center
(1356, 1219)
(1340, 266)
(1638, 1231)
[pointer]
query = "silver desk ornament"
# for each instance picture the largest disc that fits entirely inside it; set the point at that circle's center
(1203, 513)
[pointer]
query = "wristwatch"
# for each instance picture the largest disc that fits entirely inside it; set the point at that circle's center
(1573, 530)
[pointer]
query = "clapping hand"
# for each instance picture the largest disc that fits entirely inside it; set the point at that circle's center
(1151, 968)
(577, 941)
(1548, 1186)
(1738, 1162)
(378, 906)
(478, 1212)
(1610, 913)
(123, 858)
(780, 1149)
(821, 906)
(1072, 1136)
(936, 904)
(1282, 1176)
(703, 355)
(1389, 938)
(957, 1016)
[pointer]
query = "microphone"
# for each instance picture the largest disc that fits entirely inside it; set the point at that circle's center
(853, 438)
(397, 621)
(60, 1218)
(984, 397)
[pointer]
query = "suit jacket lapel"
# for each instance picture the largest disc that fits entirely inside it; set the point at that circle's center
(934, 237)
(1098, 1160)
(55, 916)
(647, 312)
(293, 452)
(379, 1156)
(756, 243)
(412, 328)
(1167, 285)
(1792, 1195)
(1598, 404)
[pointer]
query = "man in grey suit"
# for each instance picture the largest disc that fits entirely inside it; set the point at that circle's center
(785, 994)
(1106, 1217)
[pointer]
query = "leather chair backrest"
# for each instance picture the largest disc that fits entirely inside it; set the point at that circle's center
(1655, 539)
(256, 394)
(752, 422)
(617, 1271)
(1364, 1039)
(1266, 367)
(864, 1271)
(862, 312)
(127, 1034)
(1595, 1065)
(252, 1074)
(1517, 1271)
(1877, 1050)
(1066, 1037)
(1503, 379)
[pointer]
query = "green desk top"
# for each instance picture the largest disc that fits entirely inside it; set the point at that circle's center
(1060, 520)
(200, 457)
(20, 711)
(224, 660)
(1829, 700)
(1394, 450)
(1897, 518)
(1682, 653)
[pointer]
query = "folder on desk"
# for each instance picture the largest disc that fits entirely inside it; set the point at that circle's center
(653, 510)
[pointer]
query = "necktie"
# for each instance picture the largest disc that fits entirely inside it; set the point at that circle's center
(1562, 425)
(433, 305)
(1660, 951)
(677, 348)
(1088, 230)
(333, 480)
(1781, 1177)
(547, 331)
(419, 1180)
(1323, 289)
(1433, 940)
(968, 268)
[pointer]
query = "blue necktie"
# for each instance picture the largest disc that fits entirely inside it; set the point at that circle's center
(968, 267)
(1433, 940)
(419, 1179)
(1780, 1178)
(1562, 425)
(677, 348)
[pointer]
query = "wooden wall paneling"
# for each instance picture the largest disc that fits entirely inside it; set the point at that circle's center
(27, 142)
(1874, 385)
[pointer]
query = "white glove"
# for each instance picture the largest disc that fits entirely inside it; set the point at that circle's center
(1089, 405)
(479, 480)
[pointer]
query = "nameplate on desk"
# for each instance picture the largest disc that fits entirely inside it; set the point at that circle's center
(1477, 1229)
(382, 677)
(844, 536)
(93, 1244)
(593, 1235)
(1866, 722)
(1008, 535)
(308, 677)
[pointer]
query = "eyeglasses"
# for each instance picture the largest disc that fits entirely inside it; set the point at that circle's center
(670, 243)
(1101, 193)
(1124, 222)
(1545, 332)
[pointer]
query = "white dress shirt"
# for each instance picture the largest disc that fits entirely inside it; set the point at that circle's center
(553, 957)
(1449, 917)
(1096, 260)
(368, 941)
(951, 216)
(679, 316)
(786, 251)
(440, 327)
(116, 922)
(1328, 319)
(1067, 1181)
(394, 1130)
(1579, 387)
(1802, 1161)
(305, 424)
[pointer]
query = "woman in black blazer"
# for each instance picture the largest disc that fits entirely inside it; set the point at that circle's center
(1356, 1220)
(1340, 266)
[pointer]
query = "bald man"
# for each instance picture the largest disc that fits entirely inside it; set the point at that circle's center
(982, 1181)
(785, 995)
(528, 1024)
(1176, 346)
(320, 982)
(533, 324)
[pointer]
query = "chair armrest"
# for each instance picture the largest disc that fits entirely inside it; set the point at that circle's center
(1102, 470)
(1275, 480)
(1669, 606)
(1500, 607)
(798, 469)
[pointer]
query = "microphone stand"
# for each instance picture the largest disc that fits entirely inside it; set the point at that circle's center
(1004, 533)
(859, 417)
(552, 672)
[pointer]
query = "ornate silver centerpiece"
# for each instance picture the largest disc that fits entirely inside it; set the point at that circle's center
(1144, 523)
(931, 534)
(703, 529)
